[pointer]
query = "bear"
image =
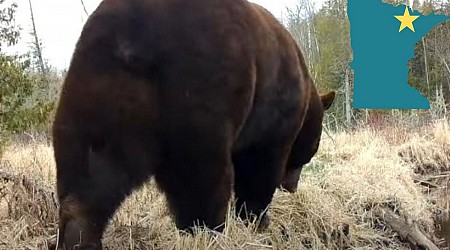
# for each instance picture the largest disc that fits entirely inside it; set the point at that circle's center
(206, 97)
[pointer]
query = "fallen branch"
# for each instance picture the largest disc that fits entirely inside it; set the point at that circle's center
(407, 230)
(442, 175)
(426, 183)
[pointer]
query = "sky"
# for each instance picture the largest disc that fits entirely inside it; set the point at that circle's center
(59, 23)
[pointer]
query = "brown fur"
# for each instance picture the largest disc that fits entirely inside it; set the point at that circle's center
(308, 139)
(199, 94)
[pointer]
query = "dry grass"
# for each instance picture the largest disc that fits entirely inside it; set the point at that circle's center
(340, 189)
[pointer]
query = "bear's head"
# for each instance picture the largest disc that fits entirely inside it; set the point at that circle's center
(307, 141)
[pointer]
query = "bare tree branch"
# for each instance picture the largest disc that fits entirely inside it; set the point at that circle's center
(84, 8)
(36, 41)
(407, 230)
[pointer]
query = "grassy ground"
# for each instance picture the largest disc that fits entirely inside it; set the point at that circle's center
(354, 175)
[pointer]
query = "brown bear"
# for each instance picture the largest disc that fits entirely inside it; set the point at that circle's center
(205, 96)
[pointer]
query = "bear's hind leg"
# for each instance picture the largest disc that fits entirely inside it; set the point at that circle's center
(91, 185)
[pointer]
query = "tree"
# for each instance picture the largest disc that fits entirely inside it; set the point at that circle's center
(332, 67)
(430, 71)
(37, 45)
(300, 24)
(9, 31)
(15, 88)
(324, 38)
(21, 106)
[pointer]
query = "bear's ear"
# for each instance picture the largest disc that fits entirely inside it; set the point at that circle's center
(327, 99)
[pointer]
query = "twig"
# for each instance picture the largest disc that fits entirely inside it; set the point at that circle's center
(426, 183)
(84, 7)
(439, 176)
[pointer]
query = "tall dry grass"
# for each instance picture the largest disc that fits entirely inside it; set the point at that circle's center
(352, 175)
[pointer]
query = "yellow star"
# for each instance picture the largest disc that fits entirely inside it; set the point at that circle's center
(407, 20)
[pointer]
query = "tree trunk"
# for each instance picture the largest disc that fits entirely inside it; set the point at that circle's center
(36, 42)
(446, 87)
(348, 107)
(426, 64)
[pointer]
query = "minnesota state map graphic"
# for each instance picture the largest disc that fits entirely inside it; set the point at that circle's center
(383, 38)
